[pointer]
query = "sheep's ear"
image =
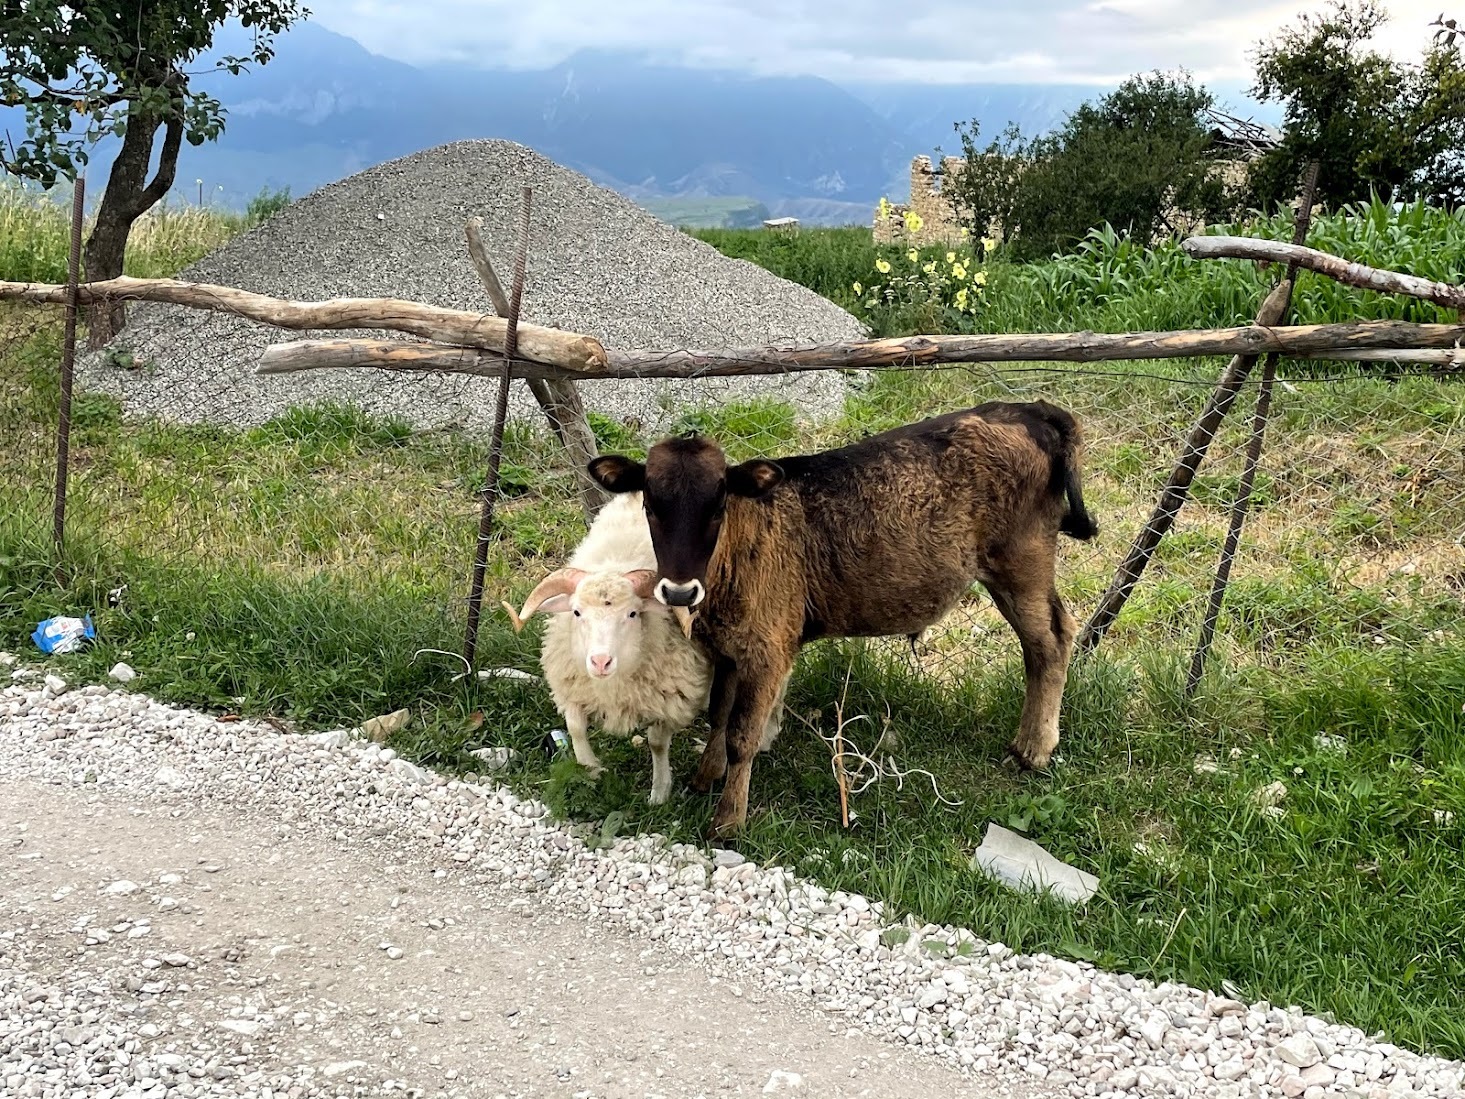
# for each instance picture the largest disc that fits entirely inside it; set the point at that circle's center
(754, 478)
(550, 596)
(616, 473)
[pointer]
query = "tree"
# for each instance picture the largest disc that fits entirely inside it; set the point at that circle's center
(85, 68)
(1372, 123)
(1127, 160)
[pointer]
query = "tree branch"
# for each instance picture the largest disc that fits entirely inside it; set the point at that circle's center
(1318, 341)
(1334, 267)
(569, 350)
(167, 166)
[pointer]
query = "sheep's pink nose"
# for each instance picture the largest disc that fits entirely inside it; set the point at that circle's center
(601, 664)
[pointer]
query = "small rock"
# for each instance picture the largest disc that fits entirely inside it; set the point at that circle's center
(1271, 795)
(122, 888)
(725, 859)
(783, 1081)
(122, 673)
(56, 685)
(178, 961)
(1300, 1051)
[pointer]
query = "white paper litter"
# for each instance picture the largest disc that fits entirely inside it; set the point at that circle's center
(1021, 864)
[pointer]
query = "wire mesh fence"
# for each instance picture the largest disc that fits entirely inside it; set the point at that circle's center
(365, 494)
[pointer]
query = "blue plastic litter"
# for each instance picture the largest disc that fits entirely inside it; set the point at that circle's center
(63, 635)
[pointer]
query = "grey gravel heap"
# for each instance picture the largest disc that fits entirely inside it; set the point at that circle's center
(599, 265)
(977, 1004)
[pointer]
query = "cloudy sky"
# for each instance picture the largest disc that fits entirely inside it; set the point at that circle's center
(941, 41)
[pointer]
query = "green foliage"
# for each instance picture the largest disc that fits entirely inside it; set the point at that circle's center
(1125, 160)
(1374, 124)
(84, 68)
(1111, 283)
(266, 205)
(35, 233)
(931, 289)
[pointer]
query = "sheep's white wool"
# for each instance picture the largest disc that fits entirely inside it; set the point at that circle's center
(661, 679)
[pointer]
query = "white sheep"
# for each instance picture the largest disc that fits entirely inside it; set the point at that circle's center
(611, 652)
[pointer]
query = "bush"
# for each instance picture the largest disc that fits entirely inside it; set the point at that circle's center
(266, 205)
(1127, 160)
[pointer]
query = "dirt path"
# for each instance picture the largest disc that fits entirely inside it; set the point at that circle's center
(358, 962)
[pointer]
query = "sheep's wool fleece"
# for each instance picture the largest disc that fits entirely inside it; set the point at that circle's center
(671, 683)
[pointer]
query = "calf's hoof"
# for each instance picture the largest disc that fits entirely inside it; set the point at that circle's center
(1029, 759)
(724, 826)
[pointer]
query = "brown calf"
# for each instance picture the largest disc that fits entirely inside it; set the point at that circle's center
(879, 538)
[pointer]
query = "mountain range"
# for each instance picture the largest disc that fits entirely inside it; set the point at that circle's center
(724, 145)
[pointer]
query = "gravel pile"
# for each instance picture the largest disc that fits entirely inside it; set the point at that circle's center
(598, 265)
(938, 989)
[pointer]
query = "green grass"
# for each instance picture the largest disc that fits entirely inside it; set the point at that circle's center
(35, 234)
(827, 261)
(300, 569)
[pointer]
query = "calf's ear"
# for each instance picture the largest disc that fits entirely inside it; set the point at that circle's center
(615, 473)
(754, 478)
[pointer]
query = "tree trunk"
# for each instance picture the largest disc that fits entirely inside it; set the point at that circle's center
(128, 196)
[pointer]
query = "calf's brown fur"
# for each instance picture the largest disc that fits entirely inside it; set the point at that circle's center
(879, 538)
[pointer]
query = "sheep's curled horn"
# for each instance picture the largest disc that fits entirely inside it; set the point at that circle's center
(564, 581)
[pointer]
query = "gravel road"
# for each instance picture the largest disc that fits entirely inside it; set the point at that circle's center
(190, 907)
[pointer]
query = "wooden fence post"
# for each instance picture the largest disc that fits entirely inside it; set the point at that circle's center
(557, 397)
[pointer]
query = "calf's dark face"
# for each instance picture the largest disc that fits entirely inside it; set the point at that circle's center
(684, 484)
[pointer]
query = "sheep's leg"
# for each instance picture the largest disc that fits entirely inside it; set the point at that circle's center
(577, 722)
(713, 764)
(752, 709)
(1027, 598)
(659, 737)
(775, 719)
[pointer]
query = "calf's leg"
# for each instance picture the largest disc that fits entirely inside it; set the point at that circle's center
(1025, 595)
(753, 706)
(775, 718)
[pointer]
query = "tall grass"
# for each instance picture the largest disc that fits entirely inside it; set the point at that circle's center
(1112, 284)
(35, 235)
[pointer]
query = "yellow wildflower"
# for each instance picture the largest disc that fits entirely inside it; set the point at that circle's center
(980, 278)
(882, 266)
(961, 298)
(913, 221)
(913, 255)
(859, 289)
(950, 257)
(884, 209)
(958, 272)
(930, 268)
(988, 244)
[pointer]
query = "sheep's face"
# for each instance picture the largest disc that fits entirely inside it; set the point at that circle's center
(608, 611)
(607, 616)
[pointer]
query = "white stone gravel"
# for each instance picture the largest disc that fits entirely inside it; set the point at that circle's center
(599, 265)
(1078, 1030)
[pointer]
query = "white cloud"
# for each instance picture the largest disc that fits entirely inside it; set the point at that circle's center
(936, 41)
